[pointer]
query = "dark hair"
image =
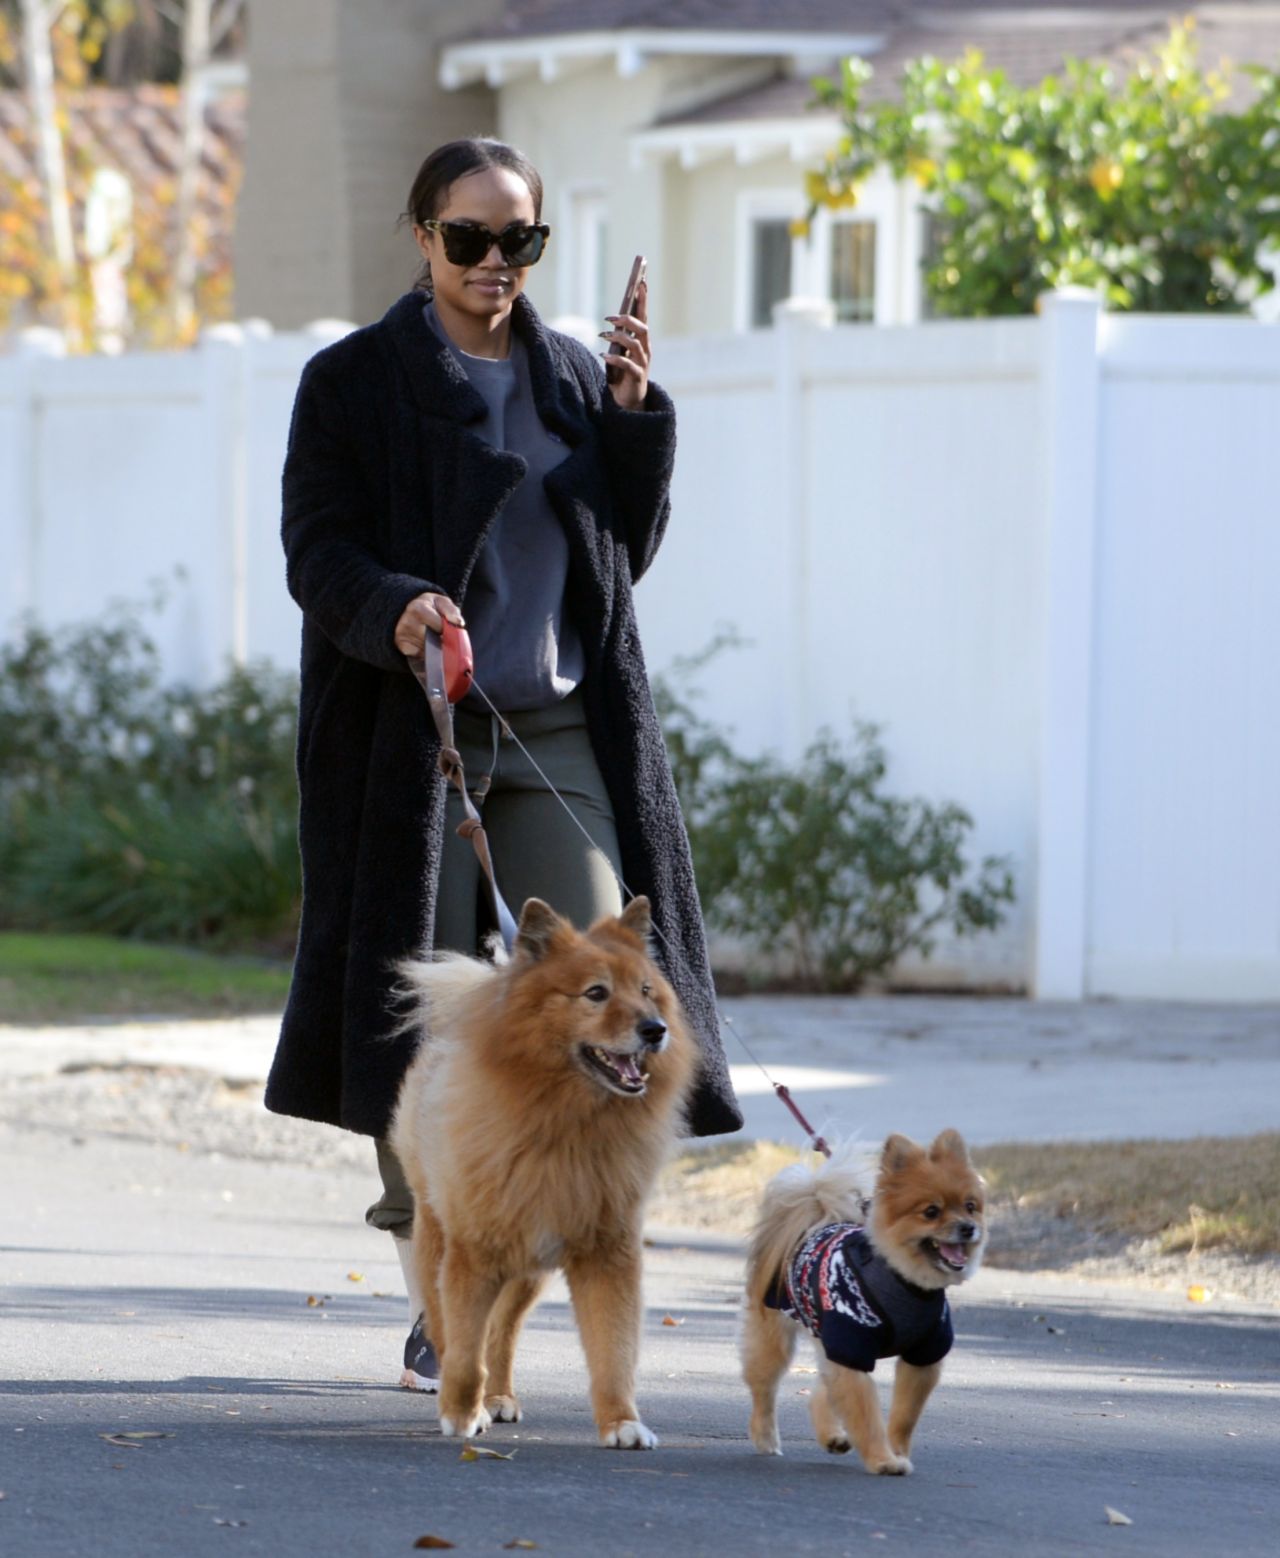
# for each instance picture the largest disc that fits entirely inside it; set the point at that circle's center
(453, 161)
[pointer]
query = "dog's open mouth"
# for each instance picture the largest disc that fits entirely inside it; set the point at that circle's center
(620, 1073)
(947, 1257)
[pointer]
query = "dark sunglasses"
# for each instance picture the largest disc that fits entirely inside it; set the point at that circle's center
(467, 243)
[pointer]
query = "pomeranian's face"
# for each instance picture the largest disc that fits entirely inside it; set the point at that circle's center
(598, 1001)
(928, 1211)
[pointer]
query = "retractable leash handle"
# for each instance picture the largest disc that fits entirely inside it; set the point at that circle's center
(459, 663)
(447, 671)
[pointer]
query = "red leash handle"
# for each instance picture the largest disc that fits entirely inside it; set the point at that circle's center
(459, 663)
(819, 1145)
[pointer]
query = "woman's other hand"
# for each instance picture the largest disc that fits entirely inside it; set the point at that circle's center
(422, 613)
(628, 373)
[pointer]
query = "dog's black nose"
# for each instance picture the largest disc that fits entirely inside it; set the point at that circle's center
(968, 1230)
(651, 1031)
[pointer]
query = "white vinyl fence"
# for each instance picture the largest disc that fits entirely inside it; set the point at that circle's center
(1042, 554)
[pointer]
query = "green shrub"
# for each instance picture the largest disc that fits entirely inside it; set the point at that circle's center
(129, 807)
(815, 866)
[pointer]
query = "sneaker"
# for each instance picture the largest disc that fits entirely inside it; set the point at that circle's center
(421, 1367)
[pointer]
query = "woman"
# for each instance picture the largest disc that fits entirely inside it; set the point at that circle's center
(459, 453)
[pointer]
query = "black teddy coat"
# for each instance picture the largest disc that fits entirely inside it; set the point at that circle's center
(387, 494)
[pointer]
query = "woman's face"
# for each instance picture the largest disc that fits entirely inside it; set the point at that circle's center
(494, 197)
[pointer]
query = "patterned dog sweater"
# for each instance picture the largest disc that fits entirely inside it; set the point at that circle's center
(857, 1306)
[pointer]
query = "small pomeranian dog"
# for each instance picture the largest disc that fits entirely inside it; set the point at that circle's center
(532, 1123)
(868, 1279)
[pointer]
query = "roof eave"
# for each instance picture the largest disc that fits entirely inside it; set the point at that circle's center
(496, 61)
(745, 140)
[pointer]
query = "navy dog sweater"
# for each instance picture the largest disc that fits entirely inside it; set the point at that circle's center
(857, 1306)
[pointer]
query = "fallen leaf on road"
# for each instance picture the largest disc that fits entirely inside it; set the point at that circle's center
(355, 1276)
(1197, 1294)
(1115, 1518)
(671, 1320)
(129, 1440)
(313, 1302)
(432, 1541)
(521, 1542)
(477, 1452)
(218, 1521)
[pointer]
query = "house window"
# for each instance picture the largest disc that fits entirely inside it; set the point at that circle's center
(930, 244)
(771, 245)
(586, 254)
(853, 271)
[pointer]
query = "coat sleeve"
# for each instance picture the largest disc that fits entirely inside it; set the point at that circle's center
(640, 452)
(639, 449)
(333, 572)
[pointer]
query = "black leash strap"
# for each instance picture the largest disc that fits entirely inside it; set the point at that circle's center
(434, 685)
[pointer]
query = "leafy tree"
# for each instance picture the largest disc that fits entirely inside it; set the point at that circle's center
(177, 276)
(1149, 189)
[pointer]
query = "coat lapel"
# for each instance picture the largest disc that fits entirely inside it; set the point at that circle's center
(451, 474)
(463, 482)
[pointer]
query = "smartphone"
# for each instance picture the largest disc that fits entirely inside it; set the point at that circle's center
(638, 267)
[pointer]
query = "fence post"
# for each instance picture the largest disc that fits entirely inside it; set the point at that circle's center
(1069, 395)
(21, 532)
(794, 320)
(224, 347)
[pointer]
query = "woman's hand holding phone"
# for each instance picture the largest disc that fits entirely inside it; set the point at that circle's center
(626, 363)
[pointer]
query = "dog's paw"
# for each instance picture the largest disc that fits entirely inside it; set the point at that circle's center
(503, 1409)
(766, 1441)
(890, 1466)
(462, 1427)
(837, 1444)
(409, 1380)
(629, 1435)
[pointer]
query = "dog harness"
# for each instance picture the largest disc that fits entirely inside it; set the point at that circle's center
(857, 1306)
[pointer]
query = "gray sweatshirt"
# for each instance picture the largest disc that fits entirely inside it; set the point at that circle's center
(528, 653)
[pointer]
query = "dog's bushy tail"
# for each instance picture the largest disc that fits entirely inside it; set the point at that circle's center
(800, 1198)
(433, 993)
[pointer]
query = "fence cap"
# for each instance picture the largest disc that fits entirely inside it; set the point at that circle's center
(41, 341)
(329, 329)
(819, 312)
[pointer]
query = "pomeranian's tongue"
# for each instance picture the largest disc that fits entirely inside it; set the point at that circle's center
(957, 1254)
(626, 1068)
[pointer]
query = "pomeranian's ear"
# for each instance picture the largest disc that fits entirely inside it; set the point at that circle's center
(950, 1144)
(899, 1153)
(638, 918)
(538, 929)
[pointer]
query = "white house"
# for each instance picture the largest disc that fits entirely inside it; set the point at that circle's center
(683, 130)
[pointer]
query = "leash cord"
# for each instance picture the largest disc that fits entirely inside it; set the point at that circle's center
(780, 1088)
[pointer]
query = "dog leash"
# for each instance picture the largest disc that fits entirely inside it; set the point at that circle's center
(448, 674)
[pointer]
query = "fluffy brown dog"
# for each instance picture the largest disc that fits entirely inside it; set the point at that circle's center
(866, 1287)
(531, 1126)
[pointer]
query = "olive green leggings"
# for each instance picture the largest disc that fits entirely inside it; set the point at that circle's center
(538, 852)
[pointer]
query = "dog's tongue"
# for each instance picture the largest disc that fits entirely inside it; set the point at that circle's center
(957, 1254)
(627, 1068)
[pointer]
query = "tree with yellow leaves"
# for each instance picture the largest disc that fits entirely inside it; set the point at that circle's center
(1150, 190)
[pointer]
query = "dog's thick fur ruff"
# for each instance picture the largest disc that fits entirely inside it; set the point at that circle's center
(544, 1097)
(911, 1182)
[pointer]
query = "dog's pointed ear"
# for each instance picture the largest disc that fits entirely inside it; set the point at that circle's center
(899, 1152)
(950, 1144)
(637, 917)
(539, 926)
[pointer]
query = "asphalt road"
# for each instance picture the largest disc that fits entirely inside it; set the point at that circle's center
(150, 1291)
